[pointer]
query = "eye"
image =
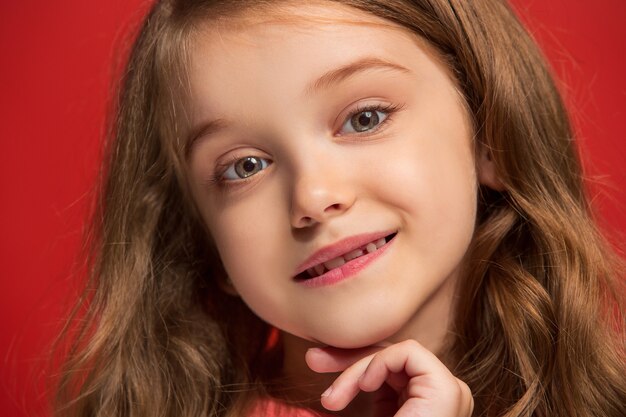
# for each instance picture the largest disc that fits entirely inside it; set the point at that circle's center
(244, 168)
(366, 119)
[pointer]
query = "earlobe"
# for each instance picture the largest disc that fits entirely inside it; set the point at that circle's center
(486, 170)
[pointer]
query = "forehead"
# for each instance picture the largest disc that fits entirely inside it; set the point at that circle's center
(264, 55)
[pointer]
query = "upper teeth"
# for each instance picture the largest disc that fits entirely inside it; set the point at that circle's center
(319, 269)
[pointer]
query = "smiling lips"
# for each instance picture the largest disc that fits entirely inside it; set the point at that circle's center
(338, 254)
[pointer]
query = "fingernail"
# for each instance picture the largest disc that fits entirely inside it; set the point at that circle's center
(327, 392)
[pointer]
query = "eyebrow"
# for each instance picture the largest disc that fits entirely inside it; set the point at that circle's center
(205, 129)
(324, 82)
(335, 76)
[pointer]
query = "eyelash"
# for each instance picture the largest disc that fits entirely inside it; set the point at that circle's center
(218, 180)
(389, 109)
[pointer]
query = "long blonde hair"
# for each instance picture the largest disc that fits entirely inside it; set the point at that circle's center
(539, 329)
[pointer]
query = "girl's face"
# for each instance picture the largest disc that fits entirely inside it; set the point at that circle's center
(326, 128)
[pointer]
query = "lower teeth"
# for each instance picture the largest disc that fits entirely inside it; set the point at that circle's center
(308, 275)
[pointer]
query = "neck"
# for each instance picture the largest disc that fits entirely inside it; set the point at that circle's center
(306, 386)
(430, 325)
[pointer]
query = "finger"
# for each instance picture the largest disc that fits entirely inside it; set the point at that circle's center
(396, 364)
(408, 367)
(385, 402)
(329, 359)
(467, 399)
(422, 399)
(397, 380)
(409, 358)
(346, 386)
(415, 407)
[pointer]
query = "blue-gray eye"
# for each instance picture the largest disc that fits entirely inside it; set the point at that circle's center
(364, 120)
(245, 167)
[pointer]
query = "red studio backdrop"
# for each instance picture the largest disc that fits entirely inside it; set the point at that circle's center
(55, 82)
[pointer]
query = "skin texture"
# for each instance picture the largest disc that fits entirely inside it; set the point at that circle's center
(415, 174)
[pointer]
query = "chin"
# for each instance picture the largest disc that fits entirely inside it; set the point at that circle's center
(357, 338)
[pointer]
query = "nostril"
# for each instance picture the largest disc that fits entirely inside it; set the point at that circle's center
(335, 206)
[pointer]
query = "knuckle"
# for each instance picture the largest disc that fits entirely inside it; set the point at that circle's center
(411, 344)
(464, 388)
(466, 396)
(378, 361)
(458, 389)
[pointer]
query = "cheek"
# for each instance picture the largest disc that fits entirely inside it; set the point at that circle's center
(253, 244)
(435, 175)
(450, 181)
(431, 177)
(248, 232)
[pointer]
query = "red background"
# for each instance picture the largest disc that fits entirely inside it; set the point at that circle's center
(55, 76)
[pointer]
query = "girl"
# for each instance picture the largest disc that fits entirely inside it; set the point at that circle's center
(380, 201)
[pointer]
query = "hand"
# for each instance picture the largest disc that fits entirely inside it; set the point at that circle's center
(425, 387)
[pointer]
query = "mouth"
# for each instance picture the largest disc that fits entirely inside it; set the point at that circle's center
(343, 259)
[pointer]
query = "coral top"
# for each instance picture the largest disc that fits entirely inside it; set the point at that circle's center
(269, 407)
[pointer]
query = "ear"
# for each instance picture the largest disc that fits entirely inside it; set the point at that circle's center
(486, 169)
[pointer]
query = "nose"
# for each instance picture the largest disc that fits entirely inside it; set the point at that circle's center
(320, 193)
